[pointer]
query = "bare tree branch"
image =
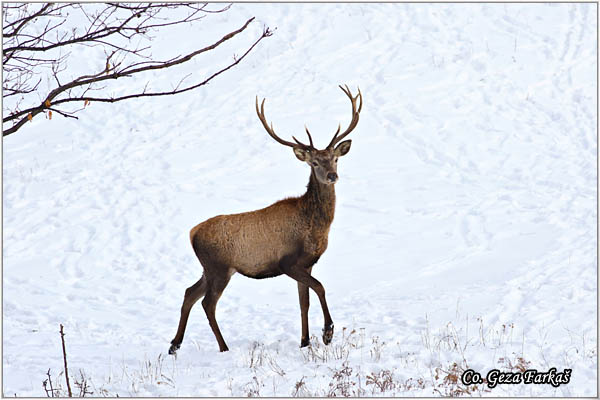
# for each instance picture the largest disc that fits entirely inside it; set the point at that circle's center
(29, 31)
(23, 21)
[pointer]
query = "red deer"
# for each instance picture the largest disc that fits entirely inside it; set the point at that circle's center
(287, 237)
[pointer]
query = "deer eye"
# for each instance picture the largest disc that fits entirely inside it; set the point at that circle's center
(314, 163)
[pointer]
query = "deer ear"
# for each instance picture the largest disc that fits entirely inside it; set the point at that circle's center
(301, 155)
(343, 148)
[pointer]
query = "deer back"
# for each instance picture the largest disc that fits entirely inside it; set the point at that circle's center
(254, 243)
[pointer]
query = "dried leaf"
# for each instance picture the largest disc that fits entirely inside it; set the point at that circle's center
(50, 114)
(86, 103)
(47, 103)
(29, 116)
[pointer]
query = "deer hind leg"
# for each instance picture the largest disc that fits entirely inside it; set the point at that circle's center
(302, 276)
(213, 293)
(192, 294)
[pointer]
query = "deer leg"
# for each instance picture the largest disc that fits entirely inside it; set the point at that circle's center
(215, 289)
(304, 304)
(192, 294)
(302, 276)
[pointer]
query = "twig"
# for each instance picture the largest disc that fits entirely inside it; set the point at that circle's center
(64, 114)
(46, 382)
(62, 338)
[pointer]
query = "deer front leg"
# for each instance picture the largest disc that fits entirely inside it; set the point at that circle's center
(304, 304)
(303, 277)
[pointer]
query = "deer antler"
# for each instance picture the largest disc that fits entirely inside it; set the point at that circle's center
(355, 115)
(271, 132)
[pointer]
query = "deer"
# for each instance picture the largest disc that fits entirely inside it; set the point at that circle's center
(285, 238)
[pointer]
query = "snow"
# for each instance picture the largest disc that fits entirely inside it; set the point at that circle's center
(466, 208)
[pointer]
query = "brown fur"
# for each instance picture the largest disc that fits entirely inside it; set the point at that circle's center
(255, 242)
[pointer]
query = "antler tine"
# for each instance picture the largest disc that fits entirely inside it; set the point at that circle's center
(355, 115)
(309, 137)
(300, 143)
(271, 131)
(357, 96)
(335, 135)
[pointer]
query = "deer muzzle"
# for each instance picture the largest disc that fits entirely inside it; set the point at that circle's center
(332, 177)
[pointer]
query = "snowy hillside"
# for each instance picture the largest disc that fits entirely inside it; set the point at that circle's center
(465, 227)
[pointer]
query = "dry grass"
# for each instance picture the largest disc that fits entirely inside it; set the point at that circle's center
(353, 365)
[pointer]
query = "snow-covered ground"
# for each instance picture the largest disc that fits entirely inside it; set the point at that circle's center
(465, 228)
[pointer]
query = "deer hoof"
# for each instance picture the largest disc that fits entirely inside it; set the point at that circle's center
(328, 334)
(173, 349)
(304, 342)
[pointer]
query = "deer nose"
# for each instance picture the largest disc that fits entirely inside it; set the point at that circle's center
(332, 177)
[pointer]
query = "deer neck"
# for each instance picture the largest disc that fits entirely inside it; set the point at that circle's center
(319, 202)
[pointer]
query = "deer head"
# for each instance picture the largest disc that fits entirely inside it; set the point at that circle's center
(322, 162)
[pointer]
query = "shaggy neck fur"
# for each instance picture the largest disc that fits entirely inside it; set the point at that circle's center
(319, 202)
